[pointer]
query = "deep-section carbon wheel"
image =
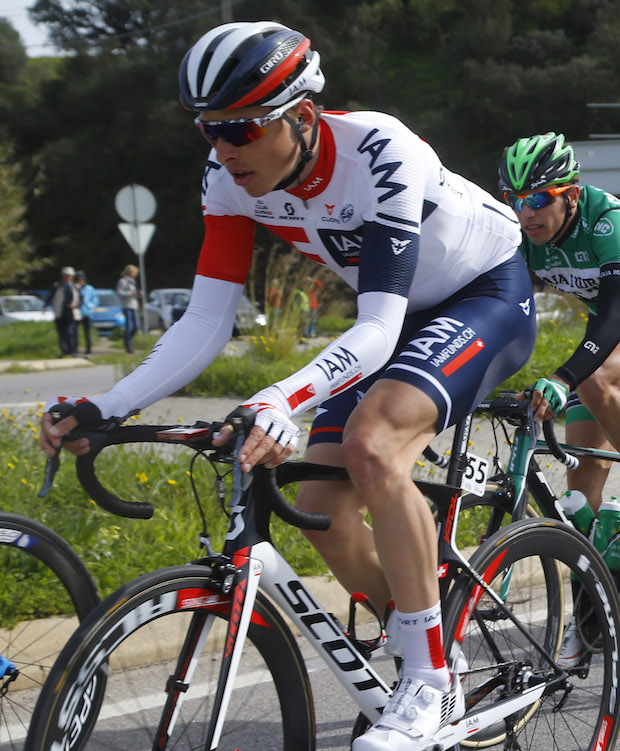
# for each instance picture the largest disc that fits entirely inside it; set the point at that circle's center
(578, 708)
(162, 678)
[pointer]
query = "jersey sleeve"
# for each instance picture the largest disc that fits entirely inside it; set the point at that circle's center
(602, 333)
(606, 237)
(228, 243)
(182, 353)
(357, 353)
(398, 168)
(226, 251)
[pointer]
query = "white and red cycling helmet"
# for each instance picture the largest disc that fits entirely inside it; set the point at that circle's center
(248, 63)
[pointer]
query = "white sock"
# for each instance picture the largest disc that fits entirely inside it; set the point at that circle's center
(422, 638)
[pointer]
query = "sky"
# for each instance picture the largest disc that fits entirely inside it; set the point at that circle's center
(33, 37)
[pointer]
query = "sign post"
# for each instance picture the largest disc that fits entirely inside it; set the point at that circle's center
(136, 205)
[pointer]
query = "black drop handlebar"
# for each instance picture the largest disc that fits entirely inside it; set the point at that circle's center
(269, 481)
(199, 438)
(517, 412)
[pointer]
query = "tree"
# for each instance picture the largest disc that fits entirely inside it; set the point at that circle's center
(12, 53)
(16, 261)
(97, 26)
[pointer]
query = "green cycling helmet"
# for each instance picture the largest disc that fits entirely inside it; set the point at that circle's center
(535, 162)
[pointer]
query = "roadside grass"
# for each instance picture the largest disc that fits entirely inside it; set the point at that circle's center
(116, 550)
(28, 341)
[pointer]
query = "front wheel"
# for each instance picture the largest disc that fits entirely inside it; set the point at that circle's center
(579, 709)
(162, 677)
(36, 622)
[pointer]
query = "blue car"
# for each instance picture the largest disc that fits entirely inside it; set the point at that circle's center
(108, 315)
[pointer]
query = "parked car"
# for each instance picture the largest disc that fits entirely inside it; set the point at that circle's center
(248, 317)
(158, 311)
(108, 315)
(166, 306)
(24, 308)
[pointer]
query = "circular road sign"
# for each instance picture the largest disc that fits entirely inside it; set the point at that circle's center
(135, 203)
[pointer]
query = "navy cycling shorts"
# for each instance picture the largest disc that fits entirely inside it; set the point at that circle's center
(456, 352)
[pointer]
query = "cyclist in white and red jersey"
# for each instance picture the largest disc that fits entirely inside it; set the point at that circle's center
(445, 313)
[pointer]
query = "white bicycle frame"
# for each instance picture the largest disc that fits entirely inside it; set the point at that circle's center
(278, 580)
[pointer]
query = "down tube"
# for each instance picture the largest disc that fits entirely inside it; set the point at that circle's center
(283, 586)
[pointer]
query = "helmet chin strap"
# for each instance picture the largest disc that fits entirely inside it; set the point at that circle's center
(565, 224)
(306, 151)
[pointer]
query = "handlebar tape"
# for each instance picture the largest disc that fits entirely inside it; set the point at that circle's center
(572, 462)
(85, 468)
(433, 457)
(265, 480)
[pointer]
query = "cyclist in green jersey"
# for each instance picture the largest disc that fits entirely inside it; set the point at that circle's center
(571, 240)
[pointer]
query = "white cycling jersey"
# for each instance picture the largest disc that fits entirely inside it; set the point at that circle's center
(380, 210)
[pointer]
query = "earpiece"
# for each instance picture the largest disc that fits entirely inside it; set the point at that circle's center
(300, 120)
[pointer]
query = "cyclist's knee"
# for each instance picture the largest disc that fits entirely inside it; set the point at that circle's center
(365, 456)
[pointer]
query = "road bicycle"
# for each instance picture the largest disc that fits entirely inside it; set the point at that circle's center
(517, 486)
(222, 669)
(30, 551)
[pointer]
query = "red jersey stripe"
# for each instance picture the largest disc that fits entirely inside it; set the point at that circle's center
(227, 248)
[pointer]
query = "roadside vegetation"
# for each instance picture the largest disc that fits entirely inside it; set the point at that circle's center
(117, 550)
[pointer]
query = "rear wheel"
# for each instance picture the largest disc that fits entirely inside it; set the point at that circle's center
(146, 631)
(578, 710)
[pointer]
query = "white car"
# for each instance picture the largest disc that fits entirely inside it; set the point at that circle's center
(165, 306)
(23, 308)
(161, 310)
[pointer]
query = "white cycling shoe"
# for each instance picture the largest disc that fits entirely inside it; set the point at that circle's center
(412, 716)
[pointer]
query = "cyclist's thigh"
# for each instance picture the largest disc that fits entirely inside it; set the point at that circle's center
(467, 346)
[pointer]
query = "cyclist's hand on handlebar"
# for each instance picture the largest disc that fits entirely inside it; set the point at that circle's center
(61, 416)
(274, 435)
(50, 437)
(110, 408)
(549, 397)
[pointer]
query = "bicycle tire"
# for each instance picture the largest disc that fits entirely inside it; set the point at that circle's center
(28, 549)
(161, 604)
(582, 712)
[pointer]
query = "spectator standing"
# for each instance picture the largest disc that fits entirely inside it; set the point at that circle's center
(64, 297)
(313, 289)
(127, 290)
(89, 300)
(275, 298)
